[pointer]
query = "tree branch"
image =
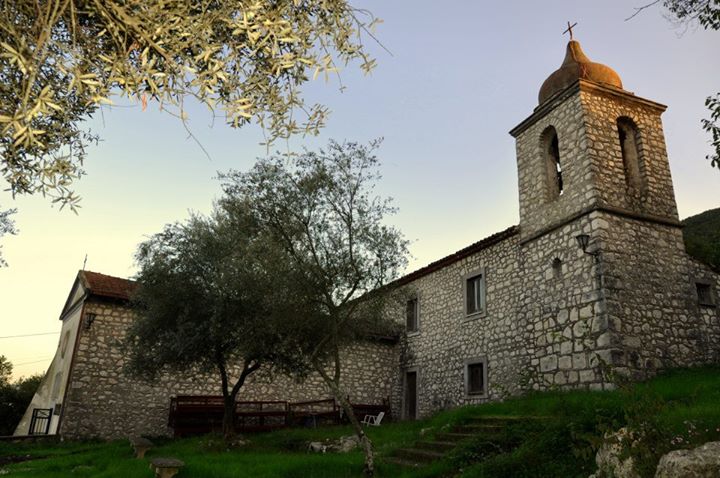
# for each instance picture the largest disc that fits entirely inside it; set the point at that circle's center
(640, 9)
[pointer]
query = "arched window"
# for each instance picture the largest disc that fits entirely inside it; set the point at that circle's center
(56, 384)
(64, 345)
(557, 268)
(630, 149)
(550, 148)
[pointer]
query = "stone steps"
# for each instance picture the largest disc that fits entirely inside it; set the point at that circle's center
(454, 436)
(394, 460)
(441, 446)
(419, 455)
(428, 451)
(479, 428)
(498, 419)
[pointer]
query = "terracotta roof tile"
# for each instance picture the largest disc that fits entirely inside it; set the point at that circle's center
(108, 286)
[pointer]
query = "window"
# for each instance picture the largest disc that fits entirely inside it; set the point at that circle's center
(63, 347)
(412, 315)
(550, 146)
(557, 268)
(40, 421)
(630, 150)
(476, 377)
(475, 293)
(705, 293)
(56, 385)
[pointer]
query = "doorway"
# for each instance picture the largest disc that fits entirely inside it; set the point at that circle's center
(411, 395)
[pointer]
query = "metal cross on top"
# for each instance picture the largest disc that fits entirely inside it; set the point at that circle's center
(569, 29)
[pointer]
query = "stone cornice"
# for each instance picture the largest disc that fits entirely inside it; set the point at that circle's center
(581, 85)
(616, 211)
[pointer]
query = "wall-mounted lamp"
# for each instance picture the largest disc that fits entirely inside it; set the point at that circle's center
(89, 319)
(583, 241)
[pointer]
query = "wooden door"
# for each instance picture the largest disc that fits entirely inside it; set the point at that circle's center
(411, 395)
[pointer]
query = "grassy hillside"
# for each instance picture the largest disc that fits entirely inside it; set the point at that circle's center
(676, 410)
(702, 237)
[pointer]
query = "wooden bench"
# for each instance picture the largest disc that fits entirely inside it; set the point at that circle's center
(140, 445)
(166, 467)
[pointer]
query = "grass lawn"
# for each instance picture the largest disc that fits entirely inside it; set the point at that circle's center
(675, 410)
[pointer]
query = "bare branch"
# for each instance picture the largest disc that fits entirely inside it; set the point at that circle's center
(640, 9)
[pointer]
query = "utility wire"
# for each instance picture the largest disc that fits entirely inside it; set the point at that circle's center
(28, 363)
(28, 335)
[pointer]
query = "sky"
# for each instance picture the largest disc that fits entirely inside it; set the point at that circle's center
(460, 76)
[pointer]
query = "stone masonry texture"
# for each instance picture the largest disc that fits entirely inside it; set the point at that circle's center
(104, 402)
(555, 316)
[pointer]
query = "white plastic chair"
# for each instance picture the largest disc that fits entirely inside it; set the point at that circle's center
(373, 420)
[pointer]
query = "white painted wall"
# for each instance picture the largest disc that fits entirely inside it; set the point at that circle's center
(51, 391)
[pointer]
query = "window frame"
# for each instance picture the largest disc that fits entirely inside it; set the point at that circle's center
(713, 302)
(64, 343)
(556, 267)
(416, 299)
(552, 165)
(631, 152)
(468, 315)
(482, 360)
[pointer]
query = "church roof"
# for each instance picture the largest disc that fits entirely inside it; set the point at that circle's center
(117, 288)
(456, 256)
(107, 286)
(577, 66)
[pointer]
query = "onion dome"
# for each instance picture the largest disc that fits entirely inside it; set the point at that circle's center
(577, 66)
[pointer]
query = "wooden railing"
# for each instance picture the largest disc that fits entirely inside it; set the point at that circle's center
(193, 415)
(261, 415)
(199, 414)
(314, 413)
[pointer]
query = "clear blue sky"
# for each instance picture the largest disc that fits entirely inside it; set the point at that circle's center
(461, 76)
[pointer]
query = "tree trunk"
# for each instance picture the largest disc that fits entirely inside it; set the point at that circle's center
(228, 425)
(229, 395)
(365, 442)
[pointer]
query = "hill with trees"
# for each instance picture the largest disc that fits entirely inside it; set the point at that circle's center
(702, 237)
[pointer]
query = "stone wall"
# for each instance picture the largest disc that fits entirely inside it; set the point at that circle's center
(447, 338)
(538, 209)
(653, 309)
(601, 109)
(104, 402)
(558, 317)
(630, 305)
(563, 306)
(585, 117)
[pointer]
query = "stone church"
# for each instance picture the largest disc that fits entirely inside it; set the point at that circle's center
(593, 284)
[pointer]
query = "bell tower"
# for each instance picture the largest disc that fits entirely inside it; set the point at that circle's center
(606, 277)
(590, 145)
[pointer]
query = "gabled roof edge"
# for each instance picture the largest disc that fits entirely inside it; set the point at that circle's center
(456, 256)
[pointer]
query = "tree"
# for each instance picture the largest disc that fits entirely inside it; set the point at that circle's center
(706, 13)
(14, 396)
(5, 370)
(61, 59)
(202, 303)
(702, 237)
(7, 226)
(322, 210)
